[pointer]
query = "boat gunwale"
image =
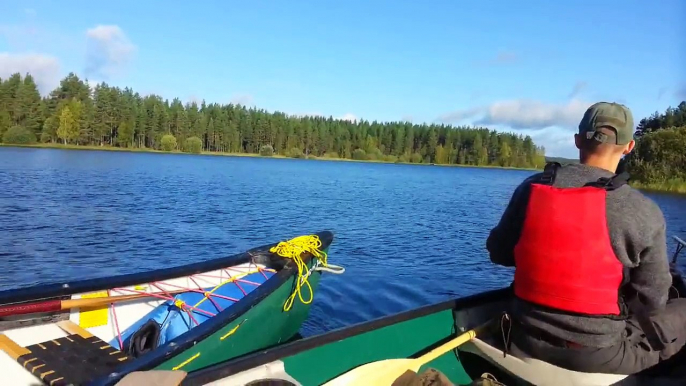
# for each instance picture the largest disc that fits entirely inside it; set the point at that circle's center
(50, 291)
(186, 340)
(264, 356)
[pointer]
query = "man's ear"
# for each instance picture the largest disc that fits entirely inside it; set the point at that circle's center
(577, 141)
(629, 147)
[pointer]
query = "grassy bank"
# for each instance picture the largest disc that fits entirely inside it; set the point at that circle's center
(147, 150)
(673, 186)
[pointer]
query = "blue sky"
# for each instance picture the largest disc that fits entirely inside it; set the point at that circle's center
(531, 67)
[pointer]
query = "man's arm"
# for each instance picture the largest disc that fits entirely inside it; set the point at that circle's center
(503, 238)
(651, 279)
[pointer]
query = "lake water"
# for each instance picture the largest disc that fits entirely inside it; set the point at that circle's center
(407, 235)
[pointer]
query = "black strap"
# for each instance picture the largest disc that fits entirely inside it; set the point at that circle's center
(549, 173)
(612, 183)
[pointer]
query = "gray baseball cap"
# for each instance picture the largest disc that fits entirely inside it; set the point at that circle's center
(606, 114)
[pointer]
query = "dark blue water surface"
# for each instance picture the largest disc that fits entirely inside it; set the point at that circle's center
(407, 235)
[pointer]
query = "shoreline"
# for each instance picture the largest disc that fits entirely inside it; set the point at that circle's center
(676, 189)
(651, 187)
(247, 155)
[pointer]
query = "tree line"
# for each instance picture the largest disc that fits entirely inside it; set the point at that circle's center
(77, 114)
(659, 158)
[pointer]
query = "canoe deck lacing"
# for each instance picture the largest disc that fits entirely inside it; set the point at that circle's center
(164, 294)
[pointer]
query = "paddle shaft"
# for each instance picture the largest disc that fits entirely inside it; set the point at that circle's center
(444, 348)
(60, 305)
(385, 371)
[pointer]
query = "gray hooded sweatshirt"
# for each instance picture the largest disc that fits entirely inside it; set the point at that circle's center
(638, 235)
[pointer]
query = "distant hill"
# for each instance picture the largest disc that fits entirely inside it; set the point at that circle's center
(562, 160)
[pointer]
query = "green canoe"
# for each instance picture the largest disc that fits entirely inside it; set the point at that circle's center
(319, 359)
(185, 318)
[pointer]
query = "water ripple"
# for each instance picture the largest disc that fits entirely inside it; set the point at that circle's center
(407, 235)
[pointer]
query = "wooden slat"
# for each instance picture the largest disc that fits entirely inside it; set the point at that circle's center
(73, 328)
(11, 347)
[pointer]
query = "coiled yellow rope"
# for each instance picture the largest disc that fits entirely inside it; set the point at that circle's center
(293, 249)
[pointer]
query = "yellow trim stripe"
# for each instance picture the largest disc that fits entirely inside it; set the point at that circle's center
(187, 361)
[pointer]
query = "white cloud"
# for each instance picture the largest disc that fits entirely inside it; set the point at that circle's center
(504, 57)
(348, 117)
(407, 118)
(242, 99)
(522, 114)
(460, 115)
(551, 125)
(302, 115)
(557, 142)
(578, 88)
(193, 99)
(108, 51)
(45, 69)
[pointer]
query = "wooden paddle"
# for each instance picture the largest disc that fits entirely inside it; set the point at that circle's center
(385, 372)
(153, 378)
(60, 305)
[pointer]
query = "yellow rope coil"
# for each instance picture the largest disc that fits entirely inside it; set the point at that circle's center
(293, 249)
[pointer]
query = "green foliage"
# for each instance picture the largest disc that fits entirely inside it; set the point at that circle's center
(359, 154)
(193, 145)
(672, 117)
(5, 121)
(659, 158)
(19, 135)
(561, 160)
(296, 153)
(168, 142)
(68, 129)
(390, 158)
(105, 115)
(266, 151)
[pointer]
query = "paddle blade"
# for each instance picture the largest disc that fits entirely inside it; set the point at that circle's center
(153, 378)
(385, 372)
(379, 373)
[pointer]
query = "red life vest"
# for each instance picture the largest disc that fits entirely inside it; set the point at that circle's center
(564, 258)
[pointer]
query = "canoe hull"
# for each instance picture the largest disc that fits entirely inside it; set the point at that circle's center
(243, 312)
(264, 325)
(318, 359)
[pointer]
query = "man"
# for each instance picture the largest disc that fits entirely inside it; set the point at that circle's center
(592, 277)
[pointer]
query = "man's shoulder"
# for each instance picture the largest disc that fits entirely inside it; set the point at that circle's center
(635, 200)
(524, 186)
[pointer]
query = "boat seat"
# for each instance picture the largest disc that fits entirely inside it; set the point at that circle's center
(535, 371)
(74, 359)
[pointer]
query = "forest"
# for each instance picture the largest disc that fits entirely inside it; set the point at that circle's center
(105, 116)
(659, 158)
